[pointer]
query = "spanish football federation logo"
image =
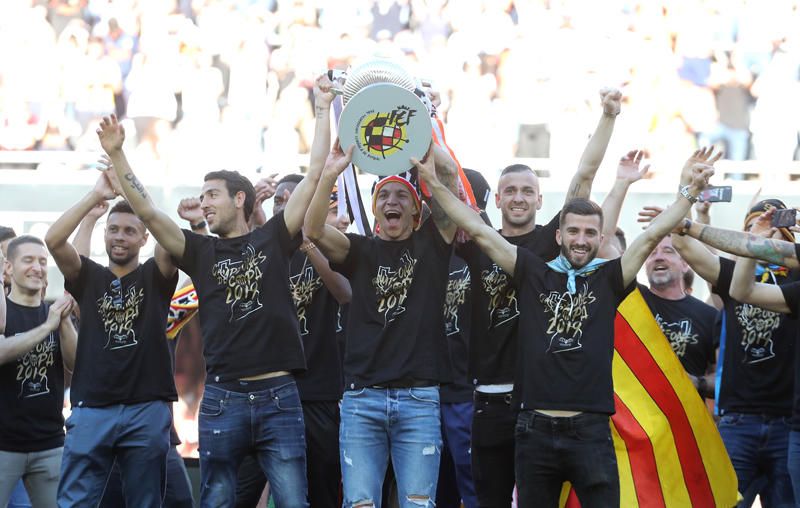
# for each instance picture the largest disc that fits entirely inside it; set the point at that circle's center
(384, 134)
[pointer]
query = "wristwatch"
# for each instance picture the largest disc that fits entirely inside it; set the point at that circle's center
(687, 224)
(685, 193)
(200, 225)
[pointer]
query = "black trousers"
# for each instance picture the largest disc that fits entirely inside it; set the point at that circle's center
(577, 449)
(322, 460)
(178, 493)
(493, 424)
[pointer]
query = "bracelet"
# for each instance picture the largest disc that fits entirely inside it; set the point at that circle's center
(687, 224)
(200, 225)
(685, 193)
(308, 247)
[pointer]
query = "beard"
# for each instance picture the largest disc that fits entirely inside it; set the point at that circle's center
(591, 253)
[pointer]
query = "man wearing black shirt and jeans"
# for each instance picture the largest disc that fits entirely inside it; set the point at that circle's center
(757, 356)
(396, 351)
(250, 331)
(122, 385)
(687, 323)
(36, 343)
(566, 343)
(493, 345)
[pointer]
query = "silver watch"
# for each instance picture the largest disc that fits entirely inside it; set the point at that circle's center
(685, 193)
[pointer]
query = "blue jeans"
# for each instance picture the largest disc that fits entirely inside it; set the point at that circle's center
(553, 450)
(19, 497)
(401, 423)
(794, 463)
(758, 447)
(135, 435)
(266, 423)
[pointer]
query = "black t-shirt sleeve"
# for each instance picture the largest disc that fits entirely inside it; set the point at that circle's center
(75, 287)
(192, 242)
(723, 286)
(527, 265)
(163, 283)
(618, 281)
(348, 266)
(791, 293)
(288, 243)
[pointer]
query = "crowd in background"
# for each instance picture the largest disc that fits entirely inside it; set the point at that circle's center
(227, 83)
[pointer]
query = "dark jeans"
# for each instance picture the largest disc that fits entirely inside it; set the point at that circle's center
(267, 422)
(577, 449)
(794, 462)
(179, 489)
(136, 436)
(322, 458)
(758, 447)
(493, 424)
(456, 423)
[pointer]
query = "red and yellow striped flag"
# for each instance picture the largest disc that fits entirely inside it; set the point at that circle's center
(669, 451)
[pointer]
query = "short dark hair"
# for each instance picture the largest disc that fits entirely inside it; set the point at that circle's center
(292, 178)
(236, 183)
(516, 168)
(620, 234)
(15, 244)
(581, 206)
(123, 206)
(6, 233)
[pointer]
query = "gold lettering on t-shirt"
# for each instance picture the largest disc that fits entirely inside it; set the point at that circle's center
(304, 286)
(391, 287)
(502, 296)
(568, 313)
(32, 368)
(757, 326)
(118, 313)
(242, 281)
(457, 287)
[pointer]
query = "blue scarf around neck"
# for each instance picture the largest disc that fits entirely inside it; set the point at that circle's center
(562, 265)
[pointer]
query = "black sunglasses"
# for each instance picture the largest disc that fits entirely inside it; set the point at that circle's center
(116, 294)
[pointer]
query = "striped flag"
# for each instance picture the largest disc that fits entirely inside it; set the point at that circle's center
(669, 452)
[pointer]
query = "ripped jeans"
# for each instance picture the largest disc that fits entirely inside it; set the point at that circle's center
(401, 423)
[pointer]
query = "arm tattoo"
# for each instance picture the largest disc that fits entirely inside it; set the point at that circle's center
(439, 216)
(747, 245)
(136, 184)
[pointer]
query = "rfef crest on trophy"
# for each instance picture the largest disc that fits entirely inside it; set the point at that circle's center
(383, 117)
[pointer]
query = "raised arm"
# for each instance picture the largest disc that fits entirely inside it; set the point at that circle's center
(333, 243)
(165, 230)
(295, 211)
(489, 240)
(66, 256)
(446, 171)
(744, 244)
(743, 286)
(83, 238)
(17, 345)
(265, 189)
(581, 184)
(634, 257)
(628, 172)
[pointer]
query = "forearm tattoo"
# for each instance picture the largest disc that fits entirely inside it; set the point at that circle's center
(747, 245)
(136, 184)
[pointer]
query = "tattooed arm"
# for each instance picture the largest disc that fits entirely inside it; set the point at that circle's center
(489, 240)
(166, 232)
(740, 243)
(744, 289)
(581, 184)
(446, 171)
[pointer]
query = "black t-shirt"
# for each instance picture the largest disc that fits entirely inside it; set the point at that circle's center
(457, 324)
(758, 352)
(566, 341)
(248, 319)
(395, 327)
(318, 317)
(493, 345)
(791, 293)
(688, 324)
(31, 387)
(122, 355)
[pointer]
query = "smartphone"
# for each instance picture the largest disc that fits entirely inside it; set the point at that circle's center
(784, 218)
(716, 194)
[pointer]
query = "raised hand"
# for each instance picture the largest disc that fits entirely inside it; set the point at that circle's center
(704, 155)
(61, 307)
(337, 159)
(323, 91)
(189, 210)
(98, 210)
(611, 99)
(762, 226)
(628, 168)
(111, 134)
(701, 172)
(104, 188)
(647, 214)
(265, 188)
(426, 167)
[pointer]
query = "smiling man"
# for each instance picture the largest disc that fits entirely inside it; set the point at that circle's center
(122, 384)
(396, 350)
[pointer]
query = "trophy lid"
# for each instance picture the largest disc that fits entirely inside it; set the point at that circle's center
(375, 70)
(388, 124)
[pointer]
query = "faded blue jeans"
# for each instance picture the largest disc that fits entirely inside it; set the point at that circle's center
(401, 423)
(267, 423)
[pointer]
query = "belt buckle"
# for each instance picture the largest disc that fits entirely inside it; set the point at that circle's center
(507, 398)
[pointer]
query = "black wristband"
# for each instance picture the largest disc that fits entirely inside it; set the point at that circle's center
(200, 225)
